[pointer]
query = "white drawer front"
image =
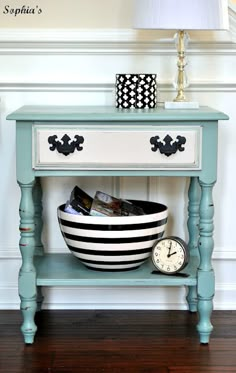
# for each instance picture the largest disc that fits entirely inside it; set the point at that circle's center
(116, 148)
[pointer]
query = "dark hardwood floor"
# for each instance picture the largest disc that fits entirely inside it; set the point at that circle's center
(117, 341)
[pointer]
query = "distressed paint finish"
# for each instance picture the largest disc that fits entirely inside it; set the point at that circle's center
(206, 278)
(193, 229)
(63, 269)
(27, 273)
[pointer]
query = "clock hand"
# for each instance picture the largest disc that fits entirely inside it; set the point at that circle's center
(169, 249)
(171, 254)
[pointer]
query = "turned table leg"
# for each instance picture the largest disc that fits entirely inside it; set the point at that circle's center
(205, 276)
(27, 274)
(193, 229)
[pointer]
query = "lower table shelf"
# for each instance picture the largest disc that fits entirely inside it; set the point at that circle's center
(67, 270)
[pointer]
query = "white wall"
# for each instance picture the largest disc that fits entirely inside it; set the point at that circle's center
(78, 67)
(66, 14)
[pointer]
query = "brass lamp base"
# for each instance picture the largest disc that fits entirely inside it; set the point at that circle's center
(180, 96)
(180, 102)
(181, 63)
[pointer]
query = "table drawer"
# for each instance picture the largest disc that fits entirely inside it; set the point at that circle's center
(126, 147)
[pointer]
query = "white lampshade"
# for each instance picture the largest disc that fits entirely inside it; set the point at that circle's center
(181, 14)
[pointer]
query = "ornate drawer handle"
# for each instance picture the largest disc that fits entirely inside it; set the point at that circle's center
(165, 145)
(64, 145)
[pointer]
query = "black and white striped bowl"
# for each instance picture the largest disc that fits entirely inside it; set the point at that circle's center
(114, 243)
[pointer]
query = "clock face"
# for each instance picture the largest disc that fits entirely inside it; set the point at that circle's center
(169, 255)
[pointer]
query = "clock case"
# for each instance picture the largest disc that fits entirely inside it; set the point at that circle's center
(186, 254)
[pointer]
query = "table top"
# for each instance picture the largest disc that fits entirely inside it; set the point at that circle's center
(105, 113)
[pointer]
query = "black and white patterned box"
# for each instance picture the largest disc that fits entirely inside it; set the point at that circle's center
(136, 91)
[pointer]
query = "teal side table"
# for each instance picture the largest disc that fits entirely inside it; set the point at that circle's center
(92, 141)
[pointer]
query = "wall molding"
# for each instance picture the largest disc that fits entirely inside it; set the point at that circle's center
(110, 41)
(55, 87)
(147, 48)
(207, 86)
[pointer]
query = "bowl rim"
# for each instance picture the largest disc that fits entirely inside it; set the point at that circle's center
(110, 220)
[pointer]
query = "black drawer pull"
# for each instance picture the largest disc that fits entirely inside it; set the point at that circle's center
(65, 145)
(167, 146)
